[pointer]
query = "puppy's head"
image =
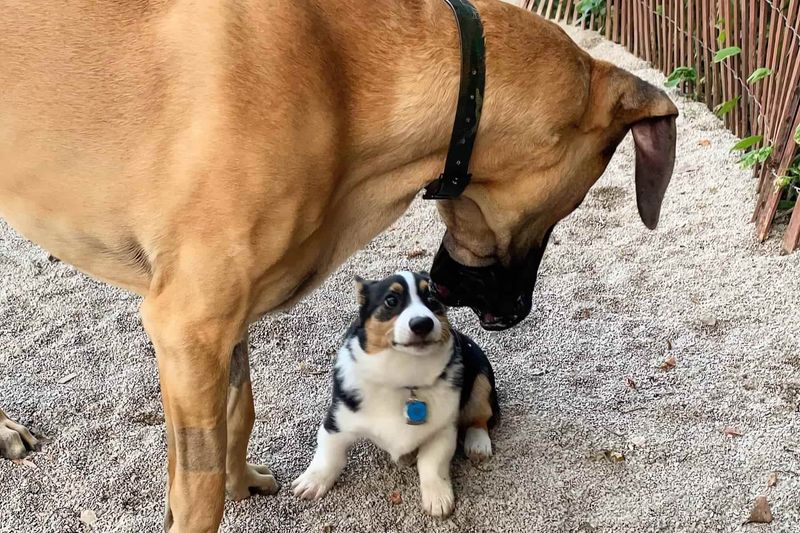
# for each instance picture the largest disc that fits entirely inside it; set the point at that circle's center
(399, 313)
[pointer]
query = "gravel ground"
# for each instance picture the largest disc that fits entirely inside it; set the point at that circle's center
(612, 298)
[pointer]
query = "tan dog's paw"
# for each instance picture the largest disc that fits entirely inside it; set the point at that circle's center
(15, 440)
(257, 479)
(477, 444)
(437, 498)
(313, 484)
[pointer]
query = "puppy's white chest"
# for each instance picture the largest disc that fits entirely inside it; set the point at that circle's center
(382, 416)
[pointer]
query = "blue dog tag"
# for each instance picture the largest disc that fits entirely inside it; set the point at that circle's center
(416, 411)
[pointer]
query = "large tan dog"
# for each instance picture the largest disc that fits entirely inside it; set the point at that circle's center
(220, 158)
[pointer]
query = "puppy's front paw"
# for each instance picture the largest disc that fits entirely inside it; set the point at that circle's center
(437, 498)
(313, 484)
(477, 444)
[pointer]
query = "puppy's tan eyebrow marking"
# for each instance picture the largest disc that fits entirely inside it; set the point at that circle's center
(423, 286)
(396, 287)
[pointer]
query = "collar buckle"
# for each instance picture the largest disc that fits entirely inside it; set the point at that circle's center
(446, 187)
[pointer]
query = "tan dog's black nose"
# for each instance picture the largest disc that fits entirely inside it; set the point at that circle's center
(421, 325)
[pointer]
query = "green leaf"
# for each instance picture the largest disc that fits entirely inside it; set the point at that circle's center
(744, 144)
(797, 135)
(591, 7)
(660, 10)
(723, 34)
(725, 53)
(726, 107)
(782, 182)
(759, 74)
(753, 157)
(681, 74)
(588, 8)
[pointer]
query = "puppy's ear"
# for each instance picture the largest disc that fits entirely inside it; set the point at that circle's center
(361, 290)
(625, 102)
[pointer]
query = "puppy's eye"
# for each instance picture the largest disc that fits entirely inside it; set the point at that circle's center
(391, 301)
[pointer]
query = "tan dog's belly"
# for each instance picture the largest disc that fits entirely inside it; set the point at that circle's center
(70, 219)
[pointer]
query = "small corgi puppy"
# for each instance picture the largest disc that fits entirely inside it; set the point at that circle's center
(409, 382)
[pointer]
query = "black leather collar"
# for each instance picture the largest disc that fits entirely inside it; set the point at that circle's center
(455, 178)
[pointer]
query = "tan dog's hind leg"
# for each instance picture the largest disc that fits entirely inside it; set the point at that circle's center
(194, 332)
(242, 478)
(15, 440)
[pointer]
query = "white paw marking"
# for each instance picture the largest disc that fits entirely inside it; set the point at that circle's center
(477, 444)
(313, 484)
(437, 498)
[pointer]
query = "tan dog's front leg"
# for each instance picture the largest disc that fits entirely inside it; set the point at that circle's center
(242, 478)
(194, 356)
(15, 440)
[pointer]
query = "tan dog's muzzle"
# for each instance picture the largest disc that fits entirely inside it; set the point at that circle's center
(500, 296)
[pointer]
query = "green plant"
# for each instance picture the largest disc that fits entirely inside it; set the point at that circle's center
(723, 33)
(679, 75)
(758, 75)
(746, 143)
(797, 135)
(755, 156)
(790, 200)
(725, 53)
(790, 183)
(587, 8)
(726, 107)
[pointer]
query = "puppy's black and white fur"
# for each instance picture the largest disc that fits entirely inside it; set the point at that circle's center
(402, 346)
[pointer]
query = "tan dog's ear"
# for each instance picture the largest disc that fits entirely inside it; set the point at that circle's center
(655, 159)
(649, 113)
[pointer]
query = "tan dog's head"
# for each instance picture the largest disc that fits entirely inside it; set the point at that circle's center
(540, 153)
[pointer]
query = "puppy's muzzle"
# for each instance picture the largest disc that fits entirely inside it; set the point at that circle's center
(500, 296)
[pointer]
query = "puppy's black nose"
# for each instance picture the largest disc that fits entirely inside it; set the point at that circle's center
(421, 325)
